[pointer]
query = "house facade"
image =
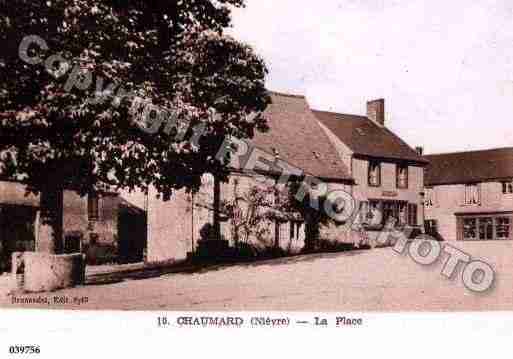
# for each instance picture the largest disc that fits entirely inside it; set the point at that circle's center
(296, 138)
(358, 155)
(102, 226)
(388, 174)
(354, 154)
(469, 195)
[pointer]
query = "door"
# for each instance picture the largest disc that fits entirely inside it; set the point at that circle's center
(131, 235)
(16, 232)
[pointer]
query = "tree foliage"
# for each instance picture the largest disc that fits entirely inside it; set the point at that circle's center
(175, 54)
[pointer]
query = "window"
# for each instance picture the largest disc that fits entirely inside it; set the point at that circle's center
(412, 214)
(487, 228)
(472, 194)
(402, 176)
(403, 215)
(390, 214)
(375, 214)
(364, 214)
(502, 227)
(369, 214)
(429, 197)
(469, 229)
(507, 187)
(431, 227)
(374, 174)
(93, 210)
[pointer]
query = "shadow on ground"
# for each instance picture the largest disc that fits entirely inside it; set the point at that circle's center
(200, 268)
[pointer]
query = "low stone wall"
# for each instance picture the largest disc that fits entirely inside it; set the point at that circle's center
(46, 272)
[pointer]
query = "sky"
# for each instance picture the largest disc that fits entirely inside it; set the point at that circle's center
(444, 68)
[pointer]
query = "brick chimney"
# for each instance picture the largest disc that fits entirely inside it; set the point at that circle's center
(419, 150)
(376, 111)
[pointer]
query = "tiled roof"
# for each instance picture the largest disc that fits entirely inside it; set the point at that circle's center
(296, 136)
(469, 167)
(366, 138)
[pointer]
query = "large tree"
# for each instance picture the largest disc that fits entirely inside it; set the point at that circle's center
(67, 118)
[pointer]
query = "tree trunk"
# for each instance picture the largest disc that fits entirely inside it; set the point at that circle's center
(217, 205)
(50, 231)
(312, 233)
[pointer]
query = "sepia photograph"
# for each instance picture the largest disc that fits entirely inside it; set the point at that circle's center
(256, 156)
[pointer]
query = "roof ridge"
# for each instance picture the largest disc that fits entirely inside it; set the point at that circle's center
(342, 114)
(381, 141)
(469, 151)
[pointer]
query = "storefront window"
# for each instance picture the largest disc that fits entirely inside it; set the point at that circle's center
(403, 214)
(374, 215)
(412, 214)
(485, 228)
(502, 227)
(470, 229)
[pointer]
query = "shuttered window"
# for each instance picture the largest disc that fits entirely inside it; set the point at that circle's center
(374, 174)
(472, 194)
(402, 176)
(507, 187)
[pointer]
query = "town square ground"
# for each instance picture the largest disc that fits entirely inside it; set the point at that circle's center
(361, 280)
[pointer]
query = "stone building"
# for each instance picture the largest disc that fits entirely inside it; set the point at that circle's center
(354, 154)
(105, 227)
(388, 174)
(295, 137)
(469, 195)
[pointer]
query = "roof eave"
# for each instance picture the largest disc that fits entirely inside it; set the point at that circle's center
(469, 181)
(417, 161)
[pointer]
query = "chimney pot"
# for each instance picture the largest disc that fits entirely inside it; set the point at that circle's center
(376, 111)
(419, 150)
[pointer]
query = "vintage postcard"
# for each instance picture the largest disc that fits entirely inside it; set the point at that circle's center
(256, 156)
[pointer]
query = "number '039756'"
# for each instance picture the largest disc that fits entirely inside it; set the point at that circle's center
(24, 349)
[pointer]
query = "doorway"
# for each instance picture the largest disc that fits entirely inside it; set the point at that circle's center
(16, 232)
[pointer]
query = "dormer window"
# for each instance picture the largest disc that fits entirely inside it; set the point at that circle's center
(402, 176)
(374, 174)
(507, 187)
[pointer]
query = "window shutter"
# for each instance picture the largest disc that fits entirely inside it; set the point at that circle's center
(459, 230)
